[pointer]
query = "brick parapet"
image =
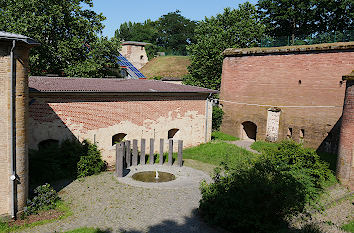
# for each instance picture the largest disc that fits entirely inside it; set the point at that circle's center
(315, 48)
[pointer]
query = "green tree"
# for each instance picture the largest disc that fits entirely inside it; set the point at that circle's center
(176, 32)
(100, 60)
(287, 17)
(144, 32)
(237, 28)
(64, 29)
(170, 33)
(298, 18)
(334, 15)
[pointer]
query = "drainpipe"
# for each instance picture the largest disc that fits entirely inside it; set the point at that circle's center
(206, 117)
(12, 132)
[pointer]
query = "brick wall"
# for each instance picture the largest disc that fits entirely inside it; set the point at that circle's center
(345, 171)
(21, 57)
(136, 54)
(306, 86)
(99, 118)
(4, 129)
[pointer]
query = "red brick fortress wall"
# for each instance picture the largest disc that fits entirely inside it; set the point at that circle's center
(304, 82)
(345, 171)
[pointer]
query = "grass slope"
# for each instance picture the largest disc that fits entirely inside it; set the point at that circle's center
(218, 152)
(166, 66)
(217, 135)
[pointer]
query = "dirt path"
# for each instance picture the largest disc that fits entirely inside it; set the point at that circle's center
(245, 144)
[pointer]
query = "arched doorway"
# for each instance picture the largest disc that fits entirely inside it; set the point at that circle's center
(48, 143)
(248, 131)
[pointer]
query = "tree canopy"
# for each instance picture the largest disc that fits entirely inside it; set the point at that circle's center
(144, 32)
(170, 33)
(303, 18)
(67, 33)
(236, 28)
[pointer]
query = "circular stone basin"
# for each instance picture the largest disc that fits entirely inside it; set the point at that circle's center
(149, 176)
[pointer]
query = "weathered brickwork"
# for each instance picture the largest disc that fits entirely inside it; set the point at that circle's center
(345, 167)
(98, 118)
(136, 54)
(4, 128)
(306, 85)
(21, 57)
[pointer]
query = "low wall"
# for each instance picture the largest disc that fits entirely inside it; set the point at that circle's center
(98, 118)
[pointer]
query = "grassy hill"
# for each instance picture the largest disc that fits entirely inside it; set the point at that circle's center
(166, 66)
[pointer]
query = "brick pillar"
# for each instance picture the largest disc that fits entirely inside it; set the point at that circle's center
(21, 54)
(345, 165)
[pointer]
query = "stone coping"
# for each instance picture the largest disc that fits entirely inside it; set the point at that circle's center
(186, 177)
(237, 52)
(349, 76)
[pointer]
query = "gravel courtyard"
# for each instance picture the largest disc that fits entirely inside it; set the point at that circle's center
(102, 201)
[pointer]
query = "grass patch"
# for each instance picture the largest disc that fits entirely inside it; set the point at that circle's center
(217, 152)
(217, 135)
(87, 230)
(260, 146)
(60, 206)
(349, 227)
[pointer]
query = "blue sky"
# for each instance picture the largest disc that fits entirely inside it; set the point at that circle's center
(118, 12)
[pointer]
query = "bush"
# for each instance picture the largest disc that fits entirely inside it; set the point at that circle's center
(218, 114)
(257, 198)
(60, 161)
(45, 199)
(91, 163)
(289, 155)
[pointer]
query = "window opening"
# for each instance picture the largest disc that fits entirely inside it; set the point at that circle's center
(117, 138)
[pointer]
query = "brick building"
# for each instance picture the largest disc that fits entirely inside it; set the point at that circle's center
(286, 92)
(135, 52)
(108, 110)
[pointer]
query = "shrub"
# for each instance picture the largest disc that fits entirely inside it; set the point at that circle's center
(217, 118)
(257, 198)
(57, 162)
(45, 198)
(91, 163)
(289, 155)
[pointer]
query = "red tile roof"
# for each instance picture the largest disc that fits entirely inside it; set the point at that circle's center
(62, 84)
